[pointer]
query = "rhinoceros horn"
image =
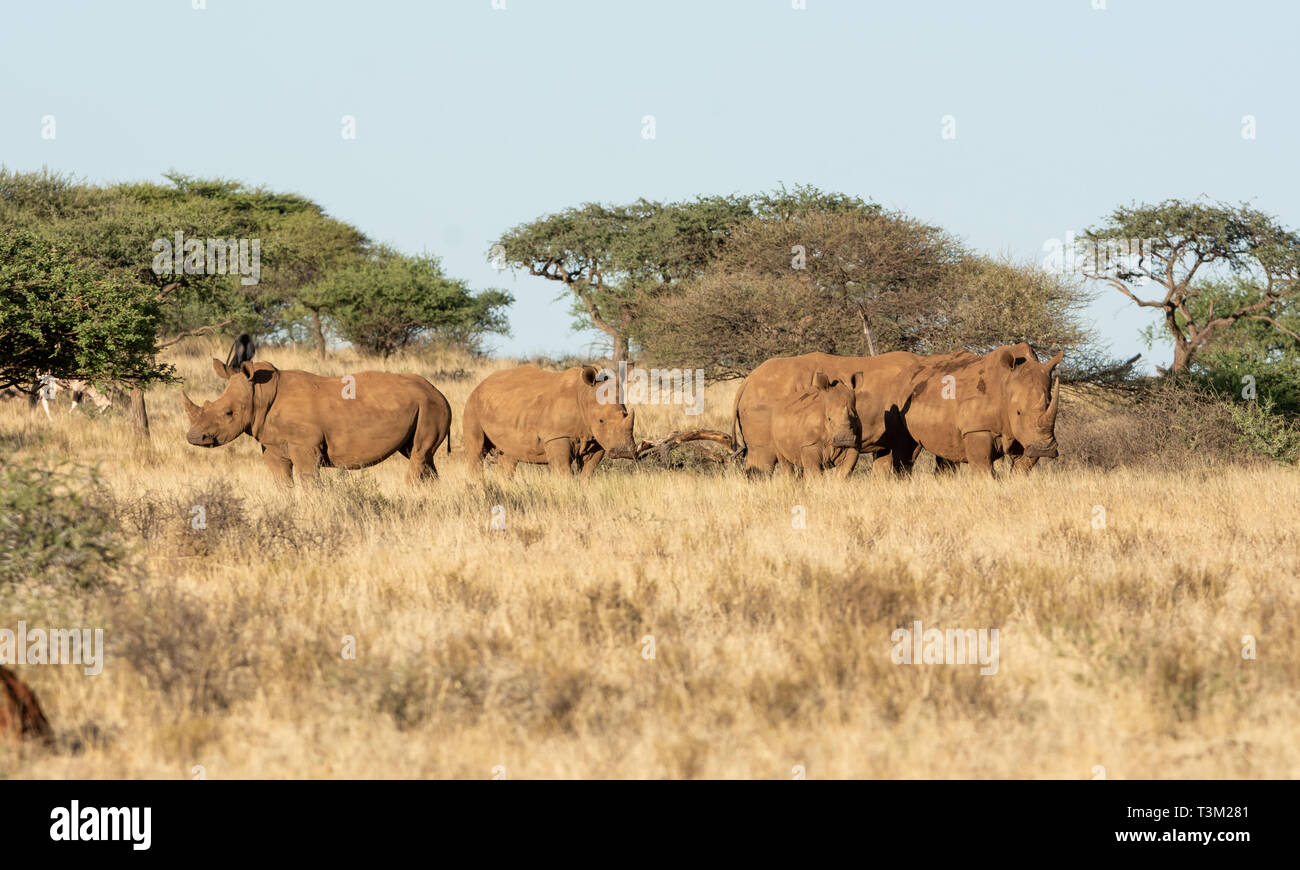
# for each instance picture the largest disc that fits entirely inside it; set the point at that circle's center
(1049, 416)
(191, 410)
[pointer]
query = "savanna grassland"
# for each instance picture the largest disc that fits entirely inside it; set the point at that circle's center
(525, 649)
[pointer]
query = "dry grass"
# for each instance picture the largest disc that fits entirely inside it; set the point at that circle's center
(523, 648)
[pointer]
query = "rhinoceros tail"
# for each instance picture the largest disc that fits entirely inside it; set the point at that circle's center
(737, 431)
(450, 417)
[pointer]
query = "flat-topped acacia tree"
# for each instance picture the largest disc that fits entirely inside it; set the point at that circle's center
(612, 259)
(1186, 250)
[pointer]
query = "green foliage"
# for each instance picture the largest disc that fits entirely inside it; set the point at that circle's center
(710, 282)
(389, 300)
(615, 259)
(1215, 269)
(114, 227)
(54, 529)
(1174, 423)
(61, 315)
(314, 269)
(1252, 352)
(1261, 430)
(863, 280)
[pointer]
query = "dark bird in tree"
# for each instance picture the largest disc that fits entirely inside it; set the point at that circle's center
(241, 352)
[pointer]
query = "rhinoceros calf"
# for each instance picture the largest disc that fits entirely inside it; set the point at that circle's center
(541, 417)
(810, 430)
(304, 421)
(975, 409)
(20, 714)
(882, 394)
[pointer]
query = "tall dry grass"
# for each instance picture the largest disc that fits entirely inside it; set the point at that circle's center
(524, 650)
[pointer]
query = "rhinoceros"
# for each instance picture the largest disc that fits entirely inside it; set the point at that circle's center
(20, 714)
(554, 418)
(809, 430)
(881, 397)
(304, 421)
(975, 409)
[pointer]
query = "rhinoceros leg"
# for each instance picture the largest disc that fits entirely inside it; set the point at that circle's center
(507, 465)
(306, 461)
(944, 466)
(759, 458)
(559, 455)
(430, 429)
(883, 464)
(812, 460)
(979, 451)
(476, 445)
(279, 464)
(589, 462)
(421, 461)
(846, 462)
(421, 468)
(1022, 464)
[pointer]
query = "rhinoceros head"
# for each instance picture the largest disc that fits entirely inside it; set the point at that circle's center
(232, 413)
(609, 422)
(1031, 398)
(839, 409)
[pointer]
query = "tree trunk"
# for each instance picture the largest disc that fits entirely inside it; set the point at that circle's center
(620, 349)
(320, 335)
(139, 414)
(1182, 357)
(868, 338)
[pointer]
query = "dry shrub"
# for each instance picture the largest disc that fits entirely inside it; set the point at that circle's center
(1165, 424)
(200, 653)
(56, 529)
(209, 518)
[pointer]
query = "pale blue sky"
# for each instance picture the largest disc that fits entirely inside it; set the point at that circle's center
(471, 119)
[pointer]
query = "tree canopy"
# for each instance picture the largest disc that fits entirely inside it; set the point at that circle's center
(61, 315)
(193, 256)
(1185, 250)
(614, 259)
(857, 281)
(387, 300)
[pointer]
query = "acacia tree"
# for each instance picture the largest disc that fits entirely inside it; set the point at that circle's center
(989, 301)
(856, 282)
(62, 316)
(1184, 249)
(616, 259)
(883, 268)
(608, 256)
(384, 302)
(115, 228)
(1254, 359)
(303, 249)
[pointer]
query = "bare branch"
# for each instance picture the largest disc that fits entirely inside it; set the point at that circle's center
(664, 446)
(202, 330)
(1277, 325)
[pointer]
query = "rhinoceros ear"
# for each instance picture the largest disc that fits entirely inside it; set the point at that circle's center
(821, 381)
(1024, 349)
(259, 372)
(1009, 358)
(223, 371)
(589, 375)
